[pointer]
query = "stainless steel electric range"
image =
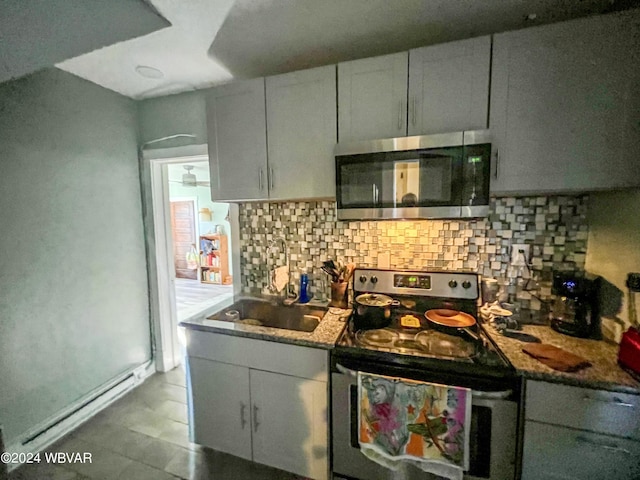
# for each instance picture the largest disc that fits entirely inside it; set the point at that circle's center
(418, 345)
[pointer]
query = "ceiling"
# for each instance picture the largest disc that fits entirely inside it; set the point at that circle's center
(38, 33)
(213, 41)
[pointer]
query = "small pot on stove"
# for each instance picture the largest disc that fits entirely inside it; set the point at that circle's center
(373, 310)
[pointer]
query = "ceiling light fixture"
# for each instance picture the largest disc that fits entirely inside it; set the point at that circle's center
(149, 72)
(189, 179)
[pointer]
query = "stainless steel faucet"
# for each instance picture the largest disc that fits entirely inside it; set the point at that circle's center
(273, 244)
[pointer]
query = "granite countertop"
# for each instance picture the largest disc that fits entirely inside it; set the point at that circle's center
(324, 336)
(604, 373)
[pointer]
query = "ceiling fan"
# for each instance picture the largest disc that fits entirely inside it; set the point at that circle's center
(189, 179)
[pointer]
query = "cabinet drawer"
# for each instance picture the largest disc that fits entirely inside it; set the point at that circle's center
(293, 360)
(552, 452)
(587, 409)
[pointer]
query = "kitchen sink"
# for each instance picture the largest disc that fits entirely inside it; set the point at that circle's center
(302, 318)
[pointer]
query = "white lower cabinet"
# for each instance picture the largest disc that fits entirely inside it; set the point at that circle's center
(221, 406)
(553, 452)
(278, 417)
(577, 433)
(289, 423)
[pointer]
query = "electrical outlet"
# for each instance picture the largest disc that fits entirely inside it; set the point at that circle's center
(520, 253)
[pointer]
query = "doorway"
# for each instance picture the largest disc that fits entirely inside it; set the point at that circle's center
(173, 299)
(195, 221)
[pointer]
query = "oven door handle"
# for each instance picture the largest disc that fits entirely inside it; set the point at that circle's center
(346, 371)
(491, 395)
(500, 395)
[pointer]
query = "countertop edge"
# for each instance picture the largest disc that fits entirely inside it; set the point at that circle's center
(578, 382)
(260, 336)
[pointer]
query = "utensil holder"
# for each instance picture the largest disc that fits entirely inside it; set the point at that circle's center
(339, 295)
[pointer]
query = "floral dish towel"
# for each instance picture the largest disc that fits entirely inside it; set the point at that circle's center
(405, 421)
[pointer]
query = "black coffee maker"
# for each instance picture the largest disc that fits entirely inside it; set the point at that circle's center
(576, 308)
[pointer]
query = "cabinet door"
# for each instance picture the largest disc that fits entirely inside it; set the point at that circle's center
(372, 98)
(290, 423)
(220, 403)
(237, 141)
(565, 106)
(449, 87)
(301, 126)
(552, 452)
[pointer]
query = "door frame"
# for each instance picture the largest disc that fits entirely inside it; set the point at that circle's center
(167, 347)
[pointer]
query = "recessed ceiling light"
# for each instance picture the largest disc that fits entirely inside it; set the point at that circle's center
(149, 72)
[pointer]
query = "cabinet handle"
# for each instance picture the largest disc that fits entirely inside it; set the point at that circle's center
(255, 418)
(414, 102)
(271, 178)
(495, 172)
(400, 115)
(612, 448)
(614, 401)
(243, 420)
(260, 180)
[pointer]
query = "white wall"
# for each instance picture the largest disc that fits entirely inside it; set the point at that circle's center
(614, 251)
(73, 284)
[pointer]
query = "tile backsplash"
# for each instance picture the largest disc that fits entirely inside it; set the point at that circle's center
(554, 226)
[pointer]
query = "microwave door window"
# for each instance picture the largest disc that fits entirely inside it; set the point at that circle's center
(359, 185)
(439, 178)
(406, 184)
(436, 181)
(476, 171)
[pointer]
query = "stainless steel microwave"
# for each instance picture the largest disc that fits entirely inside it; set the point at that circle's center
(429, 176)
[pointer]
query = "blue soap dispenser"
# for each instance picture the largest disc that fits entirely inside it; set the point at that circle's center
(304, 287)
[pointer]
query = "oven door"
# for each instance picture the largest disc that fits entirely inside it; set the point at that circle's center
(492, 442)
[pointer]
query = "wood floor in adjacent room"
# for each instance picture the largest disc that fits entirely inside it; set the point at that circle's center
(195, 298)
(144, 436)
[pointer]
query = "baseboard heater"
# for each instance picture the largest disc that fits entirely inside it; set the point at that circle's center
(54, 428)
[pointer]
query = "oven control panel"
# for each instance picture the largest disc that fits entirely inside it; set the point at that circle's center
(404, 280)
(433, 284)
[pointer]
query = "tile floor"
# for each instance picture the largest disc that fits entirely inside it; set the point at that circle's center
(144, 436)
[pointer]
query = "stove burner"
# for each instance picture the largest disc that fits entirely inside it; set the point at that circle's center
(407, 345)
(443, 344)
(425, 342)
(376, 338)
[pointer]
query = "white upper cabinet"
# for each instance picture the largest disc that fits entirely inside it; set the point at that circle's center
(372, 97)
(449, 87)
(437, 89)
(301, 133)
(236, 124)
(565, 106)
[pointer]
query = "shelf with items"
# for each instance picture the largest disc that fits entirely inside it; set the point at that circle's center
(214, 259)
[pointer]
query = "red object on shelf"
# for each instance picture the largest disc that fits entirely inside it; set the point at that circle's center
(629, 354)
